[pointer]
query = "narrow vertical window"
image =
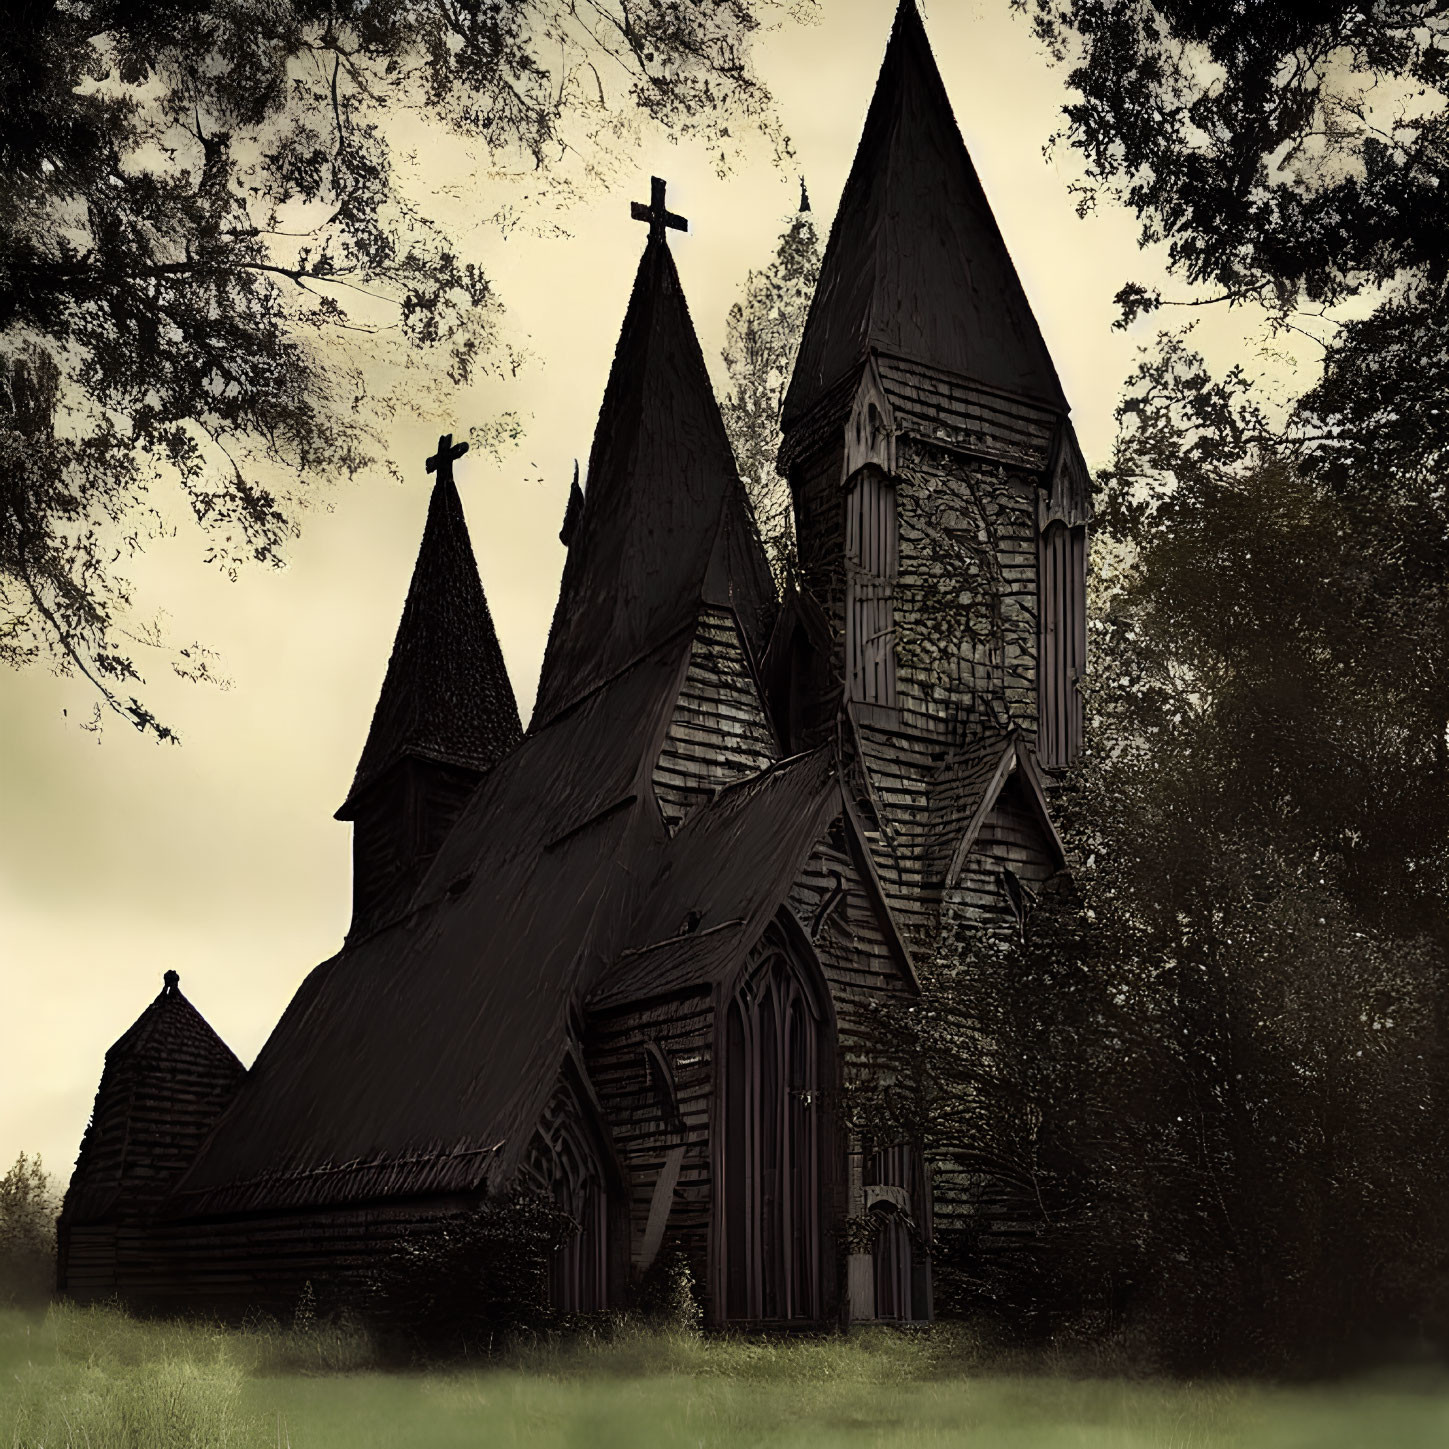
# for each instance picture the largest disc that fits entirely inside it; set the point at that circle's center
(872, 558)
(772, 1144)
(889, 1193)
(1062, 659)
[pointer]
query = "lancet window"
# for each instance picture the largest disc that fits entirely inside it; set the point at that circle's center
(872, 552)
(773, 1046)
(564, 1164)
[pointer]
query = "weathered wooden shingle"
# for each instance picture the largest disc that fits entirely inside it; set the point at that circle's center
(165, 1082)
(446, 696)
(916, 266)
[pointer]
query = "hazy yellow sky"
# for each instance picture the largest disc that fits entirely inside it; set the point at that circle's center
(120, 858)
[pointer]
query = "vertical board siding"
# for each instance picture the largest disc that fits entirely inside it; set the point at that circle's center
(872, 562)
(719, 731)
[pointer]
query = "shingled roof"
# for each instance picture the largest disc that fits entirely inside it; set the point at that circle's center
(420, 1057)
(725, 873)
(166, 1081)
(446, 695)
(916, 266)
(666, 526)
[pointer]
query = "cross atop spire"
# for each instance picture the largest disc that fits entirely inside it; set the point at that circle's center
(656, 213)
(441, 462)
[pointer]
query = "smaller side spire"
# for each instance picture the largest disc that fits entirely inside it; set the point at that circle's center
(445, 715)
(171, 1070)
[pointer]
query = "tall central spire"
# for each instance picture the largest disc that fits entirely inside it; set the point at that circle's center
(665, 525)
(916, 267)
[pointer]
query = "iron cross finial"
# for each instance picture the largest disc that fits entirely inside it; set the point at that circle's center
(441, 462)
(656, 213)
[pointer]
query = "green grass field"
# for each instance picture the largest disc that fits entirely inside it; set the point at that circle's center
(96, 1379)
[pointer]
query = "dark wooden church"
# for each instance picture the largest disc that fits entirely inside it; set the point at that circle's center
(630, 957)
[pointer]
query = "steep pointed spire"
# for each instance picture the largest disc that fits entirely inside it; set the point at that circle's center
(916, 266)
(665, 525)
(446, 697)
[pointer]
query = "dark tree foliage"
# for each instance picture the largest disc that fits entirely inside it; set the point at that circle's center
(1235, 1062)
(471, 1281)
(28, 1209)
(1223, 1062)
(1292, 153)
(762, 336)
(208, 255)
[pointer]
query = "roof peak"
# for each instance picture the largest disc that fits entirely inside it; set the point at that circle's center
(916, 265)
(664, 525)
(446, 695)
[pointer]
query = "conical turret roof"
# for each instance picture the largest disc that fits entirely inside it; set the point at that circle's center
(166, 1081)
(446, 696)
(665, 525)
(916, 266)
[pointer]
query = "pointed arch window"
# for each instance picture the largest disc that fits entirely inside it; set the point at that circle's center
(872, 551)
(772, 1149)
(565, 1165)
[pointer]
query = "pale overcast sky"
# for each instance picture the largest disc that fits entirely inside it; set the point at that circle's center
(121, 858)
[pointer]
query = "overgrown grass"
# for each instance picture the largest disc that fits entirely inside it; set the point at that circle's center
(94, 1378)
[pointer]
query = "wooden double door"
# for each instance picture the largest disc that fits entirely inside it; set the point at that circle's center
(776, 1048)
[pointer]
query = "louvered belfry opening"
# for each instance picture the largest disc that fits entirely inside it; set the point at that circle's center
(872, 553)
(1063, 658)
(773, 1142)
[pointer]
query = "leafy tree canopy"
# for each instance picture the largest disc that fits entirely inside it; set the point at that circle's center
(207, 251)
(762, 336)
(1294, 153)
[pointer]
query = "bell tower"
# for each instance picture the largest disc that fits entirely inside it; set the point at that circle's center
(941, 500)
(446, 714)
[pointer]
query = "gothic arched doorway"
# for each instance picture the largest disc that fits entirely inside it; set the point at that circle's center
(776, 1045)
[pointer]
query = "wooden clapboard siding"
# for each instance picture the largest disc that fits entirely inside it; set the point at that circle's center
(858, 963)
(645, 1127)
(902, 768)
(236, 1265)
(938, 405)
(1011, 836)
(719, 730)
(966, 607)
